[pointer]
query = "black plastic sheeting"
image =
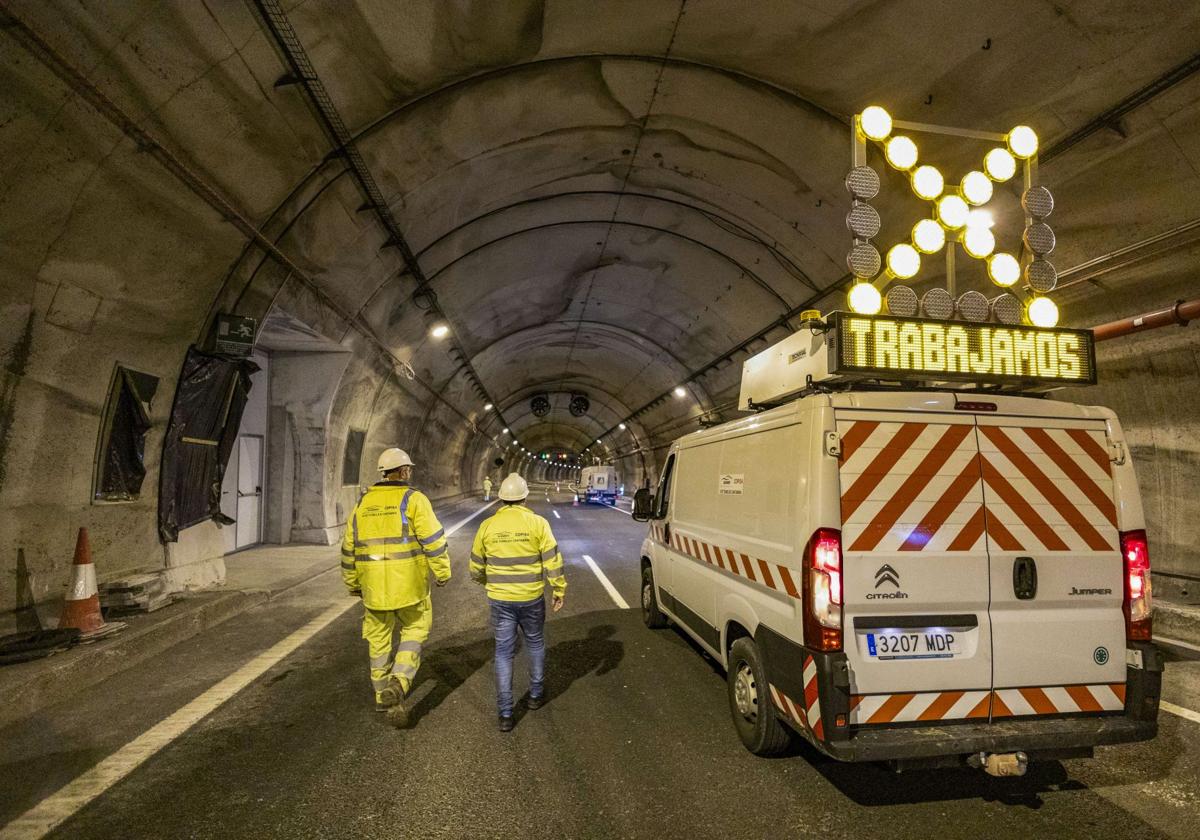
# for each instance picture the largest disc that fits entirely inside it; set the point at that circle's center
(122, 464)
(204, 425)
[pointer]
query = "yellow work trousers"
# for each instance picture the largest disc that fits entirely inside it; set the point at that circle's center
(388, 659)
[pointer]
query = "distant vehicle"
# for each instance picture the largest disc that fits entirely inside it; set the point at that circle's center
(599, 484)
(923, 576)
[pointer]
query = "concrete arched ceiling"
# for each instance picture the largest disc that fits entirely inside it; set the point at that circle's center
(609, 195)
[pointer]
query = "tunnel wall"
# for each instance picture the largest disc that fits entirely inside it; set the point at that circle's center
(1152, 381)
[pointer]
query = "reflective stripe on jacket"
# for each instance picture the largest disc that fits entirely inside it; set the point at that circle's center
(392, 541)
(515, 556)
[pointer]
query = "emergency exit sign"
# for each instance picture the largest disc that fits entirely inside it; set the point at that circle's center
(233, 335)
(919, 348)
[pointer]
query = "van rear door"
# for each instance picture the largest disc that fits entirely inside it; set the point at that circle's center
(1057, 577)
(915, 566)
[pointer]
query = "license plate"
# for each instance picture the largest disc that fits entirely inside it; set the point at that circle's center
(914, 644)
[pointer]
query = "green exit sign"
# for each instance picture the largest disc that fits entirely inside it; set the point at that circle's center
(233, 335)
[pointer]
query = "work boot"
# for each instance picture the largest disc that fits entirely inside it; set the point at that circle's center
(535, 703)
(389, 697)
(506, 723)
(398, 714)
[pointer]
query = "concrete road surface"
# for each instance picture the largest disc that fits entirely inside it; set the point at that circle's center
(214, 739)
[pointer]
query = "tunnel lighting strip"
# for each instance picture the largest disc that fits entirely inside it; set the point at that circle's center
(210, 195)
(55, 809)
(302, 72)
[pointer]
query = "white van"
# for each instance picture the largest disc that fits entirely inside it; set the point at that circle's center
(922, 576)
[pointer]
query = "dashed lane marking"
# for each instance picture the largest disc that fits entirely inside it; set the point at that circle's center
(52, 811)
(1180, 711)
(606, 583)
(556, 516)
(622, 510)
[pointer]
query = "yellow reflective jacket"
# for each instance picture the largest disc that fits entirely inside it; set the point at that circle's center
(392, 541)
(515, 555)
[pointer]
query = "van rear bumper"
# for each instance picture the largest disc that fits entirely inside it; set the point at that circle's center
(1030, 736)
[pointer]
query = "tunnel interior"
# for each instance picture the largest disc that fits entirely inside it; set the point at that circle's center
(620, 202)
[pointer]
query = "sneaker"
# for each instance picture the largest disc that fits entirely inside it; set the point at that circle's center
(506, 723)
(535, 703)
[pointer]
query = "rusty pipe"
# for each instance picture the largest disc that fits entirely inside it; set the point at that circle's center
(1180, 313)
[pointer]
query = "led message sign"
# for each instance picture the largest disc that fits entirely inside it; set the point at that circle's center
(917, 348)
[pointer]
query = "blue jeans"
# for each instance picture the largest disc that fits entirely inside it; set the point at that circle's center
(530, 617)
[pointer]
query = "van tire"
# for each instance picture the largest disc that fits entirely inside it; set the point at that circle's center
(750, 702)
(652, 616)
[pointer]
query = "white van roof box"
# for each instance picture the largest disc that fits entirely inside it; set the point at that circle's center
(845, 347)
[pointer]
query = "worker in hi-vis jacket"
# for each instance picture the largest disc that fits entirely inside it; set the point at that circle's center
(393, 540)
(514, 556)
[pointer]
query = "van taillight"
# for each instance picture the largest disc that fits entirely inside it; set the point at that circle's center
(1136, 553)
(823, 591)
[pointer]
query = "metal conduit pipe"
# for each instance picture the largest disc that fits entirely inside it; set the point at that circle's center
(1181, 313)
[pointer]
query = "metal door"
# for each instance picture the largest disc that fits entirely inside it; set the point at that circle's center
(1056, 571)
(915, 567)
(249, 490)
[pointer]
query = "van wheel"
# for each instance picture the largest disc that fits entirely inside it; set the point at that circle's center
(651, 614)
(750, 702)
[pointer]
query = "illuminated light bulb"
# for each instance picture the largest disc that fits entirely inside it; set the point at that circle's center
(875, 122)
(928, 236)
(1022, 142)
(439, 331)
(999, 165)
(903, 261)
(1042, 312)
(1004, 269)
(927, 182)
(679, 392)
(952, 211)
(978, 242)
(980, 218)
(865, 299)
(901, 152)
(977, 188)
(488, 407)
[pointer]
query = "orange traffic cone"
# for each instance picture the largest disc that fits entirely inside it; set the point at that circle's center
(81, 609)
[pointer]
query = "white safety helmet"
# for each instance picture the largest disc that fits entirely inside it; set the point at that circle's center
(393, 458)
(513, 488)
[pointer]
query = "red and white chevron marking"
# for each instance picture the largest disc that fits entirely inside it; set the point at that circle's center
(875, 709)
(806, 715)
(1058, 700)
(867, 709)
(771, 575)
(949, 486)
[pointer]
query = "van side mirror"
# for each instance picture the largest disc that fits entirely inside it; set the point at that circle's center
(643, 505)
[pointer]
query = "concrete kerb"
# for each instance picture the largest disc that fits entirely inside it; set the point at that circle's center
(27, 687)
(1173, 620)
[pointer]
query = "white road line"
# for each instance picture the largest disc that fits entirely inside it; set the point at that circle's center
(622, 510)
(612, 590)
(56, 808)
(463, 522)
(52, 811)
(1194, 717)
(556, 516)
